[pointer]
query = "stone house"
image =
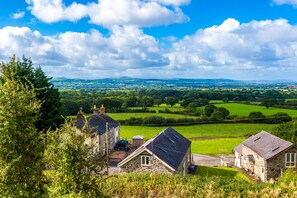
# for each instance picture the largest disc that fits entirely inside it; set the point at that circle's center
(265, 156)
(168, 152)
(96, 126)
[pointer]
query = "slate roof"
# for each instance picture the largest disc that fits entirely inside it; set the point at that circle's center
(238, 148)
(174, 143)
(266, 145)
(169, 146)
(98, 123)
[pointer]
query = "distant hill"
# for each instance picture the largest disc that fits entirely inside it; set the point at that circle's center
(138, 83)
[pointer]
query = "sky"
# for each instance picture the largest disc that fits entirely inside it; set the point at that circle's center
(90, 39)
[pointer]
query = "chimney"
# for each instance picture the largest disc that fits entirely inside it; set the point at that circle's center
(95, 110)
(80, 115)
(102, 110)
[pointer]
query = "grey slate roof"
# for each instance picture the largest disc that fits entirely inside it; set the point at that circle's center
(238, 148)
(266, 145)
(98, 123)
(80, 123)
(174, 143)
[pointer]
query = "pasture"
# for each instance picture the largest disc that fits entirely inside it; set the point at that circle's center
(206, 138)
(125, 116)
(221, 171)
(244, 109)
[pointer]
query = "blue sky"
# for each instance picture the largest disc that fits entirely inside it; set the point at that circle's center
(237, 39)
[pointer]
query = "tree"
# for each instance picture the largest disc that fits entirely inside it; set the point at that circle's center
(35, 78)
(209, 109)
(256, 116)
(21, 147)
(217, 115)
(171, 101)
(75, 167)
(157, 101)
(224, 111)
(286, 131)
(225, 100)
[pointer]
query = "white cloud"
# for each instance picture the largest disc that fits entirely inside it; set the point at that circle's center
(84, 55)
(289, 2)
(111, 12)
(254, 50)
(18, 15)
(51, 11)
(238, 50)
(174, 2)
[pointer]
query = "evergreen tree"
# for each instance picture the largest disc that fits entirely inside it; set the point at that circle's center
(21, 147)
(35, 78)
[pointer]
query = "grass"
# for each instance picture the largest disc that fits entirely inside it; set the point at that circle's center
(244, 109)
(176, 107)
(221, 171)
(207, 138)
(125, 116)
(193, 131)
(215, 146)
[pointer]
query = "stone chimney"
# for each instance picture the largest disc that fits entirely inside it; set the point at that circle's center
(95, 110)
(102, 110)
(80, 115)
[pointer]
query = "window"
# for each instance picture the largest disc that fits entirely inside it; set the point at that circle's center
(290, 159)
(145, 160)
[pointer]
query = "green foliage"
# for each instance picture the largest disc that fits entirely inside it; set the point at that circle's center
(35, 78)
(287, 131)
(73, 162)
(171, 101)
(21, 147)
(209, 109)
(160, 185)
(256, 115)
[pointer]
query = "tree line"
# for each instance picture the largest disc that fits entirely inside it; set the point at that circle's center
(122, 100)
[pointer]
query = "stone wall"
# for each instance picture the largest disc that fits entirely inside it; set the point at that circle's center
(184, 165)
(276, 165)
(134, 165)
(255, 168)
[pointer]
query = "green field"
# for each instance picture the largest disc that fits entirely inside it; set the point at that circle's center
(215, 146)
(221, 171)
(244, 110)
(176, 107)
(125, 116)
(206, 138)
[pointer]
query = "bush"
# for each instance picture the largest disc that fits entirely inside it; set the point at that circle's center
(154, 120)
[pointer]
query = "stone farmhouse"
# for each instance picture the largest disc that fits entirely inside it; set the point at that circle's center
(96, 125)
(168, 152)
(265, 156)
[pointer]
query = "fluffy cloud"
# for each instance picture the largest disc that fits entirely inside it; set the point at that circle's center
(18, 15)
(50, 11)
(233, 49)
(174, 2)
(254, 50)
(91, 55)
(110, 13)
(289, 2)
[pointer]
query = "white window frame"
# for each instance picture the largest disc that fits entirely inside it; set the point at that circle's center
(146, 159)
(290, 164)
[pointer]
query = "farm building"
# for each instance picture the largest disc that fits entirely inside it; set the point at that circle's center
(265, 156)
(168, 152)
(96, 126)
